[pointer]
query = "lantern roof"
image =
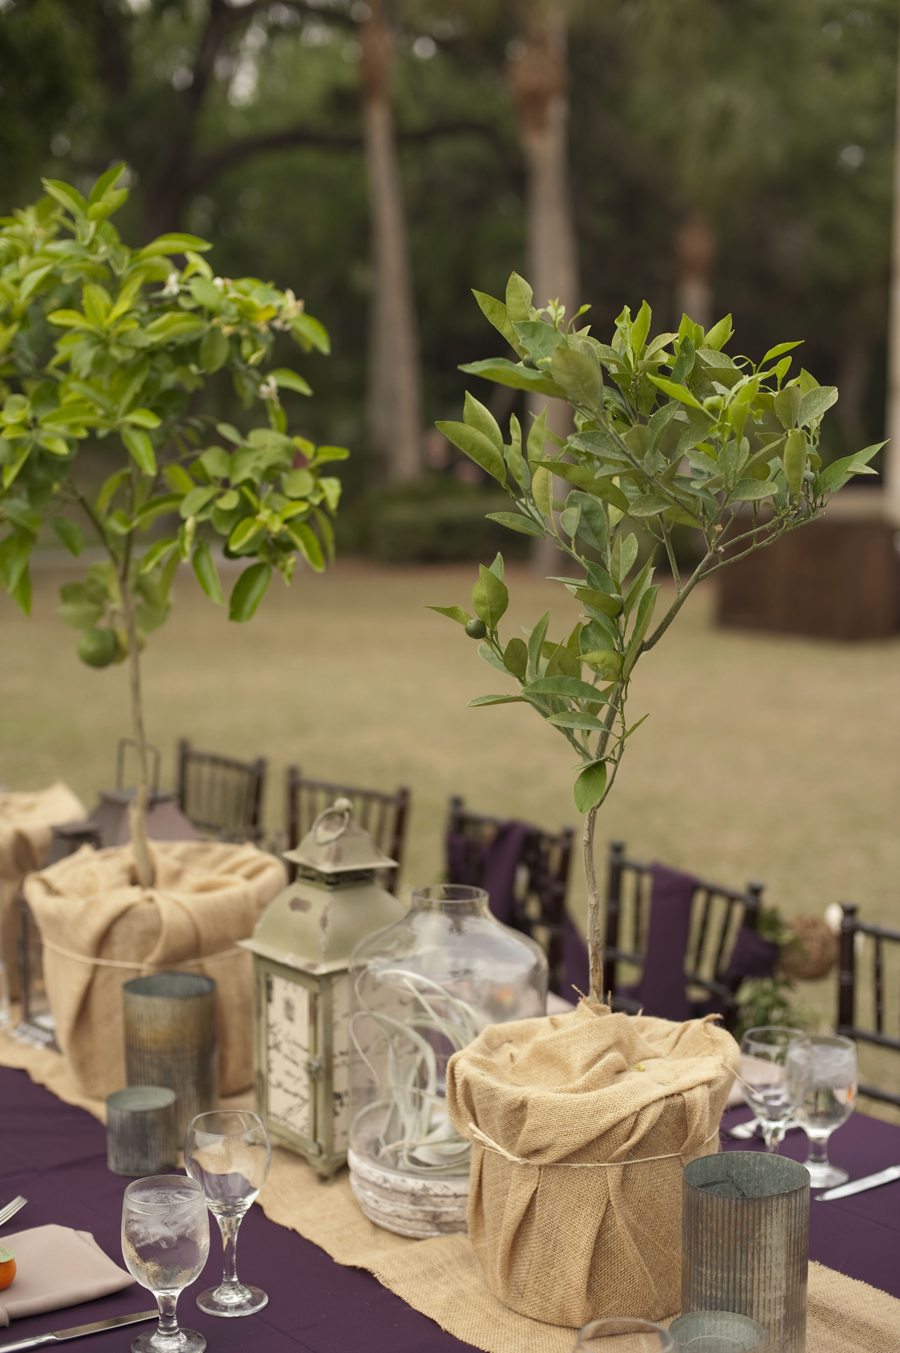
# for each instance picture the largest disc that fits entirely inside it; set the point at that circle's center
(335, 844)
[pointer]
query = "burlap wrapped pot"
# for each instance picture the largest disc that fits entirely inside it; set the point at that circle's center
(100, 929)
(581, 1125)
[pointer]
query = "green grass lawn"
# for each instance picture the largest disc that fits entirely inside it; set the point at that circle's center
(764, 757)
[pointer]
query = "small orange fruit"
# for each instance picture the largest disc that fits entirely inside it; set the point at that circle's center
(7, 1268)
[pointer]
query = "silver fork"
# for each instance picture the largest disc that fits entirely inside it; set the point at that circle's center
(8, 1212)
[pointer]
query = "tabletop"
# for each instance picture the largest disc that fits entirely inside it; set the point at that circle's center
(55, 1154)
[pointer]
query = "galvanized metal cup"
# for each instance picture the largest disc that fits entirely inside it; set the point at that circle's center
(170, 1039)
(140, 1131)
(745, 1242)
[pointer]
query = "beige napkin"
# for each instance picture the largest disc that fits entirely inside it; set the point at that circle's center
(56, 1267)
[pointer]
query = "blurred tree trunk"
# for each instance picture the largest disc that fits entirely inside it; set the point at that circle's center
(695, 256)
(538, 76)
(892, 430)
(394, 389)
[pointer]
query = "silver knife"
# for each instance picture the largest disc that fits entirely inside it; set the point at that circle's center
(871, 1181)
(38, 1340)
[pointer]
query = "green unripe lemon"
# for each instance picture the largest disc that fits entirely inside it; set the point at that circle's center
(98, 648)
(476, 629)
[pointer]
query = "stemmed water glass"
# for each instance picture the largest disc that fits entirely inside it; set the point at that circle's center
(165, 1243)
(623, 1334)
(776, 1070)
(828, 1103)
(227, 1152)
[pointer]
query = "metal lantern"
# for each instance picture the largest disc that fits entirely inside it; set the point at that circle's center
(301, 1002)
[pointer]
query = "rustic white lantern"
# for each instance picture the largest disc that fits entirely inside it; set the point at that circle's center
(301, 1008)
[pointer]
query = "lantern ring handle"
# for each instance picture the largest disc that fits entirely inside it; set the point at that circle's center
(324, 836)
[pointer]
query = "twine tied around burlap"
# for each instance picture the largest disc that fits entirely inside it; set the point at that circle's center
(602, 1092)
(96, 921)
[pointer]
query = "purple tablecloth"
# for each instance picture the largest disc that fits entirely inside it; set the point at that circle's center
(55, 1155)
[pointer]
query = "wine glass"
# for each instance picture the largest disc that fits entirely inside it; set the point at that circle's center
(828, 1103)
(623, 1334)
(776, 1070)
(228, 1151)
(165, 1243)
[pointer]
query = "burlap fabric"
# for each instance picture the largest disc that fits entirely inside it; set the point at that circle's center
(26, 820)
(589, 1117)
(100, 929)
(442, 1278)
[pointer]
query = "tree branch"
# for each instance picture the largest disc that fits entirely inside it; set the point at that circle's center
(218, 161)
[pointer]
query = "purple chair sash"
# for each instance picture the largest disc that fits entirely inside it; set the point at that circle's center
(662, 989)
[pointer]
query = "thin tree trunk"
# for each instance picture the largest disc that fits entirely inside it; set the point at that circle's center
(539, 79)
(892, 431)
(137, 809)
(695, 255)
(393, 397)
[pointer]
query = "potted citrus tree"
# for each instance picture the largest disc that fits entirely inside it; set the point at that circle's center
(107, 348)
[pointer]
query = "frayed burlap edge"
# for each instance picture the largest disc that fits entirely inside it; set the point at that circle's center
(443, 1279)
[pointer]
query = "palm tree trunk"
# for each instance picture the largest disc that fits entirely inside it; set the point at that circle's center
(393, 407)
(695, 255)
(539, 79)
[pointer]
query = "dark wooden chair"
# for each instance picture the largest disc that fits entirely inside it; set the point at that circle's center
(718, 915)
(538, 904)
(222, 796)
(885, 970)
(382, 815)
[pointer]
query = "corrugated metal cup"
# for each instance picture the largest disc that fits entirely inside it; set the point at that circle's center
(140, 1130)
(745, 1242)
(170, 1039)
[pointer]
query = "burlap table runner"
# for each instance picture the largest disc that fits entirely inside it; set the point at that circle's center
(443, 1279)
(100, 929)
(26, 820)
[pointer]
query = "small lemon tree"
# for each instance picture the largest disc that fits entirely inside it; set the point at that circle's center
(103, 345)
(669, 431)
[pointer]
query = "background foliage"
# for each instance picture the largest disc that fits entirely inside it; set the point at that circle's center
(241, 122)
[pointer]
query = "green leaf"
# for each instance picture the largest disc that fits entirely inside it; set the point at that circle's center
(720, 333)
(518, 299)
(569, 520)
(141, 449)
(593, 527)
(648, 505)
(835, 475)
(289, 380)
(514, 375)
(214, 347)
(105, 182)
(108, 491)
(454, 612)
(590, 786)
(641, 625)
(178, 479)
(481, 418)
(207, 574)
(535, 642)
(194, 502)
(640, 329)
(496, 700)
(246, 529)
(497, 566)
(177, 324)
(70, 534)
(539, 338)
(606, 662)
(174, 243)
(675, 391)
(67, 196)
(298, 483)
(476, 446)
(572, 687)
(576, 719)
(142, 418)
(490, 597)
(80, 615)
(310, 333)
(15, 552)
(542, 490)
(794, 460)
(601, 601)
(97, 303)
(516, 522)
(579, 374)
(495, 313)
(69, 319)
(156, 552)
(779, 349)
(515, 658)
(230, 433)
(751, 490)
(787, 405)
(249, 591)
(307, 543)
(206, 293)
(815, 402)
(216, 462)
(537, 439)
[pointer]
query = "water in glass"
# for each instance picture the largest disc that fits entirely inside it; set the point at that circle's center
(828, 1103)
(228, 1153)
(776, 1071)
(165, 1244)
